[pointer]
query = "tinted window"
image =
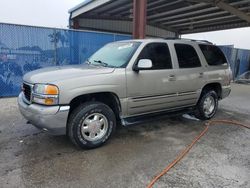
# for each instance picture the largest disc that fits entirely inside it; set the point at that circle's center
(213, 54)
(187, 56)
(159, 54)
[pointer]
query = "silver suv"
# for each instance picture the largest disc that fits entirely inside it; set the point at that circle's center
(123, 82)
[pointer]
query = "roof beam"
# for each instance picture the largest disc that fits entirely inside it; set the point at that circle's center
(215, 28)
(227, 7)
(155, 3)
(194, 18)
(89, 6)
(110, 6)
(202, 11)
(165, 13)
(233, 10)
(121, 9)
(150, 5)
(216, 23)
(203, 21)
(164, 5)
(205, 16)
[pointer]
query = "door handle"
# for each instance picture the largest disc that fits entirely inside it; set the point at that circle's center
(201, 74)
(171, 78)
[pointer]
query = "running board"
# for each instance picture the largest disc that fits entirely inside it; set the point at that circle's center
(153, 116)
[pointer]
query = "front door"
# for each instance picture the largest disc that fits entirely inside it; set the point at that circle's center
(153, 89)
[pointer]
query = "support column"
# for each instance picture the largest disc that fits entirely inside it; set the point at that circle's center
(139, 19)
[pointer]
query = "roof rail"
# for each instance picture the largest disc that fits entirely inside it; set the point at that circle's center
(193, 40)
(171, 38)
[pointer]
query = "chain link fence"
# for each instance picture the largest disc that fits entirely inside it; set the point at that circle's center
(26, 48)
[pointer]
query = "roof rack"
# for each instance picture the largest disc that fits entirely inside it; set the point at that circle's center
(193, 40)
(171, 38)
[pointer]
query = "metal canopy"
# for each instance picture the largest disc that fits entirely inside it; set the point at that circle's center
(178, 16)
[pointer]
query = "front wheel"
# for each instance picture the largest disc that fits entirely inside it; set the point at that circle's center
(91, 125)
(207, 105)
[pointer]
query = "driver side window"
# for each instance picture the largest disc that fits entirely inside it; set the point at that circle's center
(159, 54)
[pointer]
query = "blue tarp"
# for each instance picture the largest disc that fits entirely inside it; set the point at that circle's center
(239, 60)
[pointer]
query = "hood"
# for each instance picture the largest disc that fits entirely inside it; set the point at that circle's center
(52, 74)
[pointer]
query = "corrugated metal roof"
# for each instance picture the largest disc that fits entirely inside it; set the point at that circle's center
(180, 16)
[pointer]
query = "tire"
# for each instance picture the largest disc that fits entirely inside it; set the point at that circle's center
(203, 111)
(91, 125)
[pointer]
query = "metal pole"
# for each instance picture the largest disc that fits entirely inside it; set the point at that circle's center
(139, 19)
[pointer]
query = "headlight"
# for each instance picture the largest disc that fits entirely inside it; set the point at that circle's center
(45, 89)
(45, 94)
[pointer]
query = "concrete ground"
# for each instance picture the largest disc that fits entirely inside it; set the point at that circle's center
(31, 158)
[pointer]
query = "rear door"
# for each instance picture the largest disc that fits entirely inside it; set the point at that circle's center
(218, 68)
(190, 76)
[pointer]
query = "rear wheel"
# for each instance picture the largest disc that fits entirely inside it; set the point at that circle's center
(91, 125)
(207, 105)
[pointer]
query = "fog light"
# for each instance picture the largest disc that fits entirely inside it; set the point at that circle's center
(45, 101)
(49, 101)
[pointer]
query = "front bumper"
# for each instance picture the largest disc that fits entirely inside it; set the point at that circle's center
(50, 118)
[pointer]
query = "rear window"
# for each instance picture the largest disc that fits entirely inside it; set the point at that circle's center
(213, 54)
(187, 56)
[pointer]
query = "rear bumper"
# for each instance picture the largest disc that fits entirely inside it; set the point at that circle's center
(226, 90)
(49, 118)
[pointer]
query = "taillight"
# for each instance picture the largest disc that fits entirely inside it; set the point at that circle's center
(229, 76)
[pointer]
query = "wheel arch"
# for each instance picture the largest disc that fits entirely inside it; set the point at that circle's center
(216, 86)
(109, 98)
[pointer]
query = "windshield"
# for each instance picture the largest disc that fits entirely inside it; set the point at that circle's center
(115, 54)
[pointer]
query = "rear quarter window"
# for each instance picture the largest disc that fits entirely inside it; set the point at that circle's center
(213, 55)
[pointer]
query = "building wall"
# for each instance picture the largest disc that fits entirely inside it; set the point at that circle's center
(118, 26)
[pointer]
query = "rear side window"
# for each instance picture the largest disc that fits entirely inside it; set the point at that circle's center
(159, 54)
(187, 56)
(213, 54)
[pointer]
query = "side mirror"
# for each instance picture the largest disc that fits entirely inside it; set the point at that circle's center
(143, 64)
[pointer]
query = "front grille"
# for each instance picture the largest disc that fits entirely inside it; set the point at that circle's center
(27, 91)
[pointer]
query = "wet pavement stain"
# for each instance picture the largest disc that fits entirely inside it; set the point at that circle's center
(130, 159)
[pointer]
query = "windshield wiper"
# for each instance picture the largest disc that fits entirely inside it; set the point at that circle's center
(101, 62)
(88, 62)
